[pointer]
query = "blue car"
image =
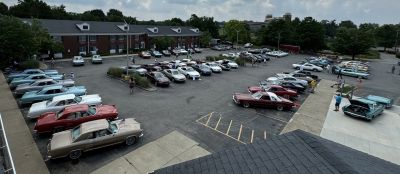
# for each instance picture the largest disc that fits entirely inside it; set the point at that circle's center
(352, 72)
(387, 102)
(48, 93)
(31, 78)
(29, 72)
(363, 108)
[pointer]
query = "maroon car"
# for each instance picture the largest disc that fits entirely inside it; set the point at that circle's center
(277, 89)
(72, 116)
(263, 99)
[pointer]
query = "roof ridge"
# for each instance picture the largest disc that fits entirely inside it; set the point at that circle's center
(327, 156)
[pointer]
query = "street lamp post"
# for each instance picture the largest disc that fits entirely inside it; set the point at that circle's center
(279, 39)
(395, 45)
(127, 47)
(237, 39)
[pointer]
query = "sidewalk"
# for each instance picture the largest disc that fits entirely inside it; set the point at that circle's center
(312, 113)
(170, 149)
(25, 154)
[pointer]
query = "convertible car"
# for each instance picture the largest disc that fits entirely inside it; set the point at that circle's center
(48, 93)
(72, 116)
(29, 79)
(29, 72)
(93, 135)
(262, 99)
(387, 102)
(363, 108)
(60, 102)
(40, 84)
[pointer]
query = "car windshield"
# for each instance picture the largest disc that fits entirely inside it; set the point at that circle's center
(158, 75)
(92, 110)
(212, 64)
(76, 132)
(257, 95)
(59, 113)
(174, 72)
(189, 69)
(78, 99)
(113, 127)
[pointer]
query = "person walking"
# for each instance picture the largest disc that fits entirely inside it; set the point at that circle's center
(63, 76)
(338, 99)
(328, 68)
(72, 75)
(133, 60)
(131, 85)
(313, 84)
(393, 69)
(339, 75)
(52, 63)
(301, 68)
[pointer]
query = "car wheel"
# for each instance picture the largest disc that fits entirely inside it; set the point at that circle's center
(246, 105)
(130, 141)
(279, 108)
(297, 68)
(75, 154)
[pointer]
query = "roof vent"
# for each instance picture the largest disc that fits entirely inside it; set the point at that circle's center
(177, 30)
(83, 26)
(123, 27)
(196, 30)
(154, 29)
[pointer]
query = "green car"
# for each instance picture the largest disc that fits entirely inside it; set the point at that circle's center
(351, 72)
(363, 108)
(387, 102)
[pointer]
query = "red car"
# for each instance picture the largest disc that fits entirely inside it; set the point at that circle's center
(263, 99)
(278, 90)
(73, 116)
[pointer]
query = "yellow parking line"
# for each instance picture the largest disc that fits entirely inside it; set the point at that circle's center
(218, 123)
(198, 120)
(240, 132)
(229, 128)
(209, 118)
(222, 133)
(252, 135)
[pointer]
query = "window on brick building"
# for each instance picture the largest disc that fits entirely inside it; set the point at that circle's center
(113, 38)
(92, 38)
(82, 38)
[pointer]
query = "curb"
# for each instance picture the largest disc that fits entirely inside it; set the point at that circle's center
(152, 89)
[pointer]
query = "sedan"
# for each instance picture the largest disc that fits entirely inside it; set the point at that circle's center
(278, 90)
(60, 102)
(29, 72)
(166, 53)
(214, 67)
(72, 116)
(156, 54)
(174, 75)
(40, 84)
(78, 61)
(294, 80)
(225, 67)
(198, 50)
(93, 135)
(307, 66)
(97, 59)
(352, 73)
(183, 52)
(32, 78)
(134, 69)
(189, 72)
(48, 93)
(202, 69)
(363, 108)
(262, 99)
(145, 55)
(158, 78)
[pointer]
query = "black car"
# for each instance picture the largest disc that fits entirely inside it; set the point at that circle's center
(151, 67)
(225, 67)
(158, 78)
(202, 69)
(309, 74)
(294, 86)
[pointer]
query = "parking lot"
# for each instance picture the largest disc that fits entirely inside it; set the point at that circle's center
(202, 110)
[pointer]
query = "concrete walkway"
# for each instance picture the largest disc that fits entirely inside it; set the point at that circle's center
(25, 154)
(312, 113)
(380, 137)
(170, 149)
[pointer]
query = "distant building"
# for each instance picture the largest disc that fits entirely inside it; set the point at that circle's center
(287, 16)
(255, 26)
(269, 17)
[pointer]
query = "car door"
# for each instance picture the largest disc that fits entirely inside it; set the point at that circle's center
(265, 101)
(71, 120)
(59, 105)
(103, 138)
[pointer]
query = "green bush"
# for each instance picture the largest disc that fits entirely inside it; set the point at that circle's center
(30, 64)
(115, 72)
(141, 81)
(240, 61)
(346, 89)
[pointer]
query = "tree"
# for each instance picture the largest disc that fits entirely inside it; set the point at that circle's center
(205, 39)
(386, 36)
(311, 34)
(205, 24)
(174, 22)
(347, 24)
(162, 43)
(58, 12)
(31, 8)
(114, 15)
(276, 31)
(330, 28)
(98, 13)
(235, 28)
(352, 41)
(3, 8)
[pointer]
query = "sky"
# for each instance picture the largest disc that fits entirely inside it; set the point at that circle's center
(358, 11)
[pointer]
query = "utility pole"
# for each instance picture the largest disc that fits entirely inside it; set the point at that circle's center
(279, 39)
(127, 47)
(395, 45)
(237, 39)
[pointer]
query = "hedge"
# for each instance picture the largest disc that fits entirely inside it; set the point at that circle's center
(30, 64)
(139, 80)
(115, 72)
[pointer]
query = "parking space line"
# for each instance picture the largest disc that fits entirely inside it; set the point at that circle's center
(222, 133)
(252, 135)
(265, 135)
(218, 123)
(240, 132)
(209, 118)
(229, 128)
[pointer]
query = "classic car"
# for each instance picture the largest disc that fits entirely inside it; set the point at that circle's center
(72, 116)
(309, 74)
(183, 52)
(262, 99)
(134, 69)
(363, 108)
(189, 72)
(189, 62)
(166, 53)
(156, 54)
(174, 75)
(225, 67)
(198, 50)
(157, 78)
(294, 86)
(18, 81)
(29, 72)
(307, 66)
(93, 135)
(145, 55)
(278, 90)
(60, 102)
(288, 79)
(40, 84)
(202, 69)
(214, 67)
(78, 60)
(387, 102)
(48, 93)
(175, 52)
(97, 59)
(352, 73)
(296, 75)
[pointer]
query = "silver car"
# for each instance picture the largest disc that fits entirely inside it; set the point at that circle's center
(40, 84)
(174, 75)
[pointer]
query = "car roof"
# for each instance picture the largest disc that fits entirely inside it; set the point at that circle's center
(53, 87)
(276, 86)
(44, 80)
(271, 94)
(75, 108)
(94, 126)
(63, 97)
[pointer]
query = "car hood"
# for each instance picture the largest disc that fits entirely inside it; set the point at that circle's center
(38, 106)
(94, 98)
(23, 86)
(195, 73)
(379, 99)
(106, 109)
(240, 96)
(128, 124)
(163, 79)
(77, 88)
(179, 76)
(46, 118)
(215, 67)
(254, 89)
(60, 140)
(359, 103)
(29, 94)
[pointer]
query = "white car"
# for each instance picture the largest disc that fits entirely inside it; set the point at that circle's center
(183, 51)
(230, 63)
(248, 45)
(277, 53)
(189, 62)
(97, 59)
(78, 60)
(231, 55)
(214, 67)
(189, 72)
(135, 69)
(288, 79)
(60, 102)
(307, 66)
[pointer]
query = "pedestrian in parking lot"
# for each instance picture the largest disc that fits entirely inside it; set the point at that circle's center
(52, 63)
(338, 99)
(393, 69)
(63, 76)
(72, 75)
(313, 84)
(339, 75)
(252, 62)
(133, 60)
(301, 68)
(131, 85)
(328, 68)
(176, 56)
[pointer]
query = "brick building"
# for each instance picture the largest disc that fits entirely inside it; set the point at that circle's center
(94, 37)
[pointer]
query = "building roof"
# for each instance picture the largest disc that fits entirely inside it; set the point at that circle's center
(70, 27)
(293, 152)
